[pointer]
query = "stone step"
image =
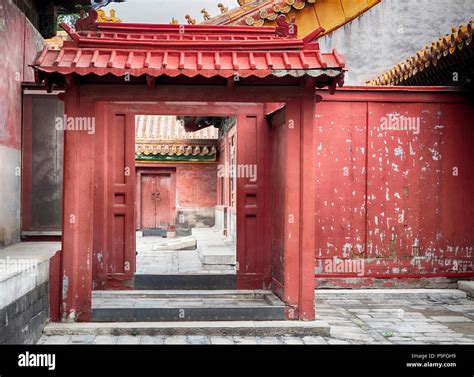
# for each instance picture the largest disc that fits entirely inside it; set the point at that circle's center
(185, 305)
(356, 294)
(215, 251)
(467, 286)
(214, 328)
(185, 281)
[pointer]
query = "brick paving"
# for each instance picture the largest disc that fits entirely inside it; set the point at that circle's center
(366, 320)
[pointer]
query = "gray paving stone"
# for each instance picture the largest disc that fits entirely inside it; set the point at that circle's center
(412, 341)
(105, 339)
(291, 340)
(412, 321)
(57, 339)
(128, 339)
(245, 340)
(176, 339)
(222, 340)
(268, 340)
(82, 339)
(315, 340)
(451, 319)
(359, 337)
(338, 341)
(197, 340)
(152, 339)
(42, 340)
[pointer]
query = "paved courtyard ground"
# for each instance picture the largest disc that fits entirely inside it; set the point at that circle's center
(164, 262)
(369, 319)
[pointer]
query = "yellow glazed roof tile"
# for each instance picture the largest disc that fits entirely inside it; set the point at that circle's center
(309, 14)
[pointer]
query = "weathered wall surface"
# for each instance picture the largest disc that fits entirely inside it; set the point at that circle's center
(19, 44)
(196, 196)
(394, 202)
(393, 31)
(42, 154)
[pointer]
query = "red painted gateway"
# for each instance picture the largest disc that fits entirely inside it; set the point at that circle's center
(114, 72)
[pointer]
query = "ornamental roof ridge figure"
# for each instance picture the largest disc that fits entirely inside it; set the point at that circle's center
(87, 23)
(285, 28)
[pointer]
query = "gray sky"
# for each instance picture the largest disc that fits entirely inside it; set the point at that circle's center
(161, 11)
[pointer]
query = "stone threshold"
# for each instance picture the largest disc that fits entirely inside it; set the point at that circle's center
(185, 281)
(186, 305)
(356, 294)
(217, 328)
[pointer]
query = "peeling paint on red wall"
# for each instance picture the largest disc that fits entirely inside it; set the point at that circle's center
(394, 184)
(20, 44)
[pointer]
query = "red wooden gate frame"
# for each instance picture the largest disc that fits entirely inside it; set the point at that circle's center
(156, 65)
(79, 179)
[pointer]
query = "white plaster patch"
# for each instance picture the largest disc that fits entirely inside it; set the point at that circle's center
(398, 151)
(435, 155)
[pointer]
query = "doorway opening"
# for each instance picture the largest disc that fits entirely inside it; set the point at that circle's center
(215, 199)
(185, 200)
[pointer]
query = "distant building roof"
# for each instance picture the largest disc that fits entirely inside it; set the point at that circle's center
(437, 64)
(163, 137)
(156, 128)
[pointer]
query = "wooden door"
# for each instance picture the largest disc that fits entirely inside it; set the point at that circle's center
(253, 184)
(155, 201)
(120, 197)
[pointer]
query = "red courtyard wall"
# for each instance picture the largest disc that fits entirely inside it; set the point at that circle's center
(393, 203)
(19, 43)
(196, 185)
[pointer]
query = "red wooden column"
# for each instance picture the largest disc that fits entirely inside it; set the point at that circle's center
(300, 186)
(308, 206)
(77, 237)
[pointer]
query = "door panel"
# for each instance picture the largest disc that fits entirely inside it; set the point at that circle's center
(253, 209)
(155, 201)
(162, 201)
(148, 205)
(120, 200)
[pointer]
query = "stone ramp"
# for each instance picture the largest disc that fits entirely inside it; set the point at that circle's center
(180, 243)
(185, 305)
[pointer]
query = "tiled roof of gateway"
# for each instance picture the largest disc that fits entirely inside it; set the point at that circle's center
(433, 65)
(191, 50)
(156, 128)
(309, 14)
(166, 136)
